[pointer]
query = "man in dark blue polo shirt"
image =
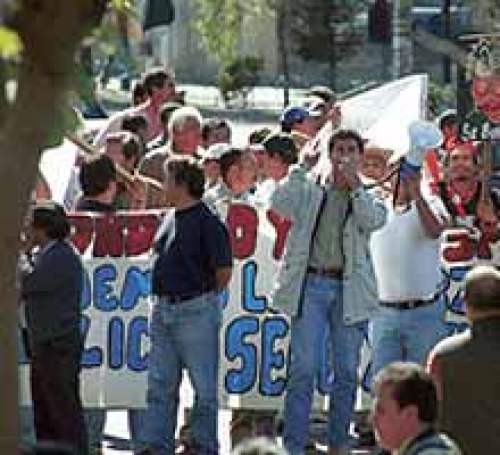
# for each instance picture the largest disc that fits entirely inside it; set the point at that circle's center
(194, 264)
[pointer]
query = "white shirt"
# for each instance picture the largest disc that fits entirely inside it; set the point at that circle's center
(406, 260)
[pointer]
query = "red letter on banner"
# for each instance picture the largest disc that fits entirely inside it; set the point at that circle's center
(141, 229)
(108, 236)
(242, 222)
(82, 228)
(458, 247)
(282, 226)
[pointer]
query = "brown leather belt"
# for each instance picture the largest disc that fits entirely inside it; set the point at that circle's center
(336, 274)
(408, 304)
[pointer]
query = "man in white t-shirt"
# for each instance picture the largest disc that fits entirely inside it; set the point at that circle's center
(406, 259)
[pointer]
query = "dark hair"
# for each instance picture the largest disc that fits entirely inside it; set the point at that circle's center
(130, 142)
(232, 157)
(167, 109)
(213, 124)
(482, 288)
(283, 146)
(410, 385)
(96, 173)
(257, 136)
(185, 170)
(51, 218)
(138, 90)
(156, 78)
(133, 123)
(342, 135)
(447, 120)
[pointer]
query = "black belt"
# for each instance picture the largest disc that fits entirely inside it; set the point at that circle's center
(173, 299)
(408, 304)
(328, 273)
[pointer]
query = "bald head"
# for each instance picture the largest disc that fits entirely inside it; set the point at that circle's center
(482, 289)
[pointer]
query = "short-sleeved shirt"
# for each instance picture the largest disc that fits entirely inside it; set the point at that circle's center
(192, 244)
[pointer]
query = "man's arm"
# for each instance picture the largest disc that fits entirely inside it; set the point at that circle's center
(284, 198)
(433, 226)
(369, 211)
(218, 245)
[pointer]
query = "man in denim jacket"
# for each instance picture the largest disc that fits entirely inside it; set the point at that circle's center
(326, 278)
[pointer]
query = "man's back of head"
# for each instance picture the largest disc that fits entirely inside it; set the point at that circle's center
(482, 292)
(96, 175)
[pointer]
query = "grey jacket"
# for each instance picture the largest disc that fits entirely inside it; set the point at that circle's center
(52, 292)
(298, 198)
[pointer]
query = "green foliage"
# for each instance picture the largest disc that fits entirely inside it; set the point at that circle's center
(440, 97)
(239, 77)
(218, 23)
(323, 30)
(123, 5)
(10, 43)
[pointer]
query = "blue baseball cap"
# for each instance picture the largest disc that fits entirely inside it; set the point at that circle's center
(292, 115)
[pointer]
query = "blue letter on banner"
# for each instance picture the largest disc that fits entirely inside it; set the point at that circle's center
(272, 329)
(137, 328)
(251, 302)
(104, 300)
(137, 284)
(242, 380)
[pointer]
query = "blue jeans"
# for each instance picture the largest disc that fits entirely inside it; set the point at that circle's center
(183, 335)
(321, 307)
(406, 335)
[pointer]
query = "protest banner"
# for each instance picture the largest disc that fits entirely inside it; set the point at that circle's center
(117, 254)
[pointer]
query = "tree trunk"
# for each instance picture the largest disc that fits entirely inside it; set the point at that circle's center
(51, 32)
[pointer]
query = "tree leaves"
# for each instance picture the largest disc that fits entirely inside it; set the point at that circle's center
(10, 43)
(218, 23)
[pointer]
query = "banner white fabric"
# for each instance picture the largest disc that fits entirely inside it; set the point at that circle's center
(117, 297)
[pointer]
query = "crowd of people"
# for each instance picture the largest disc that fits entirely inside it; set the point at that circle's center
(362, 260)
